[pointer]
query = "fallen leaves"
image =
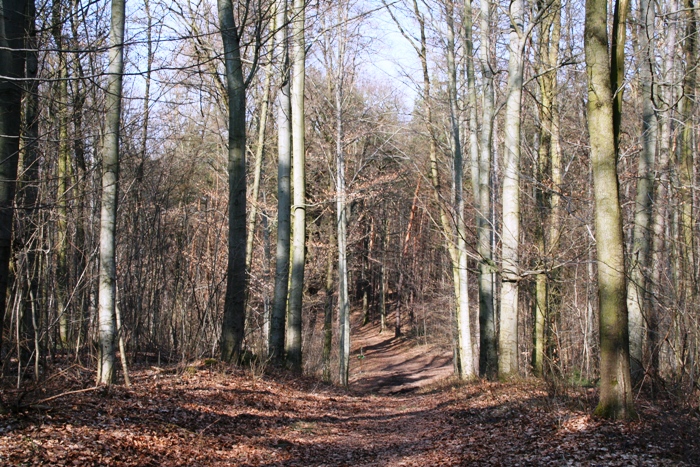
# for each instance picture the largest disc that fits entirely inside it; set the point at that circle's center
(217, 418)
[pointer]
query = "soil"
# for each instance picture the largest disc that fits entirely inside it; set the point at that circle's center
(382, 363)
(399, 411)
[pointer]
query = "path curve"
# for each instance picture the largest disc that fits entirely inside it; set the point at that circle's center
(384, 364)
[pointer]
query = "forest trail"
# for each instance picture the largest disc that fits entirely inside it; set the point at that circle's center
(219, 415)
(399, 411)
(384, 364)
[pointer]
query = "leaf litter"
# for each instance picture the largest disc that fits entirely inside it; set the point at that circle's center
(222, 416)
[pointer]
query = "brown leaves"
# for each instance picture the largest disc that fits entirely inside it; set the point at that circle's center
(221, 418)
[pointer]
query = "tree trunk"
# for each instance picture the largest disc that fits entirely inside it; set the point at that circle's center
(284, 156)
(660, 208)
(342, 220)
(328, 321)
(637, 299)
(685, 164)
(510, 237)
(232, 329)
(29, 196)
(110, 189)
(62, 176)
(549, 161)
(296, 286)
(463, 350)
(488, 357)
(259, 153)
(615, 381)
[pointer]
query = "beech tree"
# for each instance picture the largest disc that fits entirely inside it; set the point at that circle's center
(110, 190)
(234, 308)
(508, 332)
(459, 252)
(604, 75)
(296, 286)
(284, 165)
(637, 297)
(488, 356)
(549, 167)
(13, 27)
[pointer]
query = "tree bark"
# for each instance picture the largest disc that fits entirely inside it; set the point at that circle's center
(110, 189)
(296, 286)
(62, 176)
(463, 350)
(548, 165)
(637, 298)
(341, 209)
(488, 356)
(510, 236)
(232, 329)
(284, 156)
(615, 381)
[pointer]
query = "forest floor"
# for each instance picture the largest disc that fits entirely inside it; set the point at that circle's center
(399, 411)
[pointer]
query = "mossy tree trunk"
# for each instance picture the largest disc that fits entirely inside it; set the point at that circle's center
(615, 380)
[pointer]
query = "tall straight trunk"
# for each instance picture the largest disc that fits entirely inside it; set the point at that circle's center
(328, 321)
(62, 176)
(110, 185)
(341, 213)
(637, 298)
(685, 165)
(12, 59)
(488, 356)
(661, 198)
(463, 348)
(510, 237)
(296, 286)
(383, 276)
(232, 329)
(549, 162)
(615, 380)
(284, 163)
(343, 298)
(468, 46)
(80, 176)
(30, 193)
(473, 121)
(259, 153)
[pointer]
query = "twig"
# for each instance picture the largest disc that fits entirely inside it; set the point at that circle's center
(48, 399)
(210, 425)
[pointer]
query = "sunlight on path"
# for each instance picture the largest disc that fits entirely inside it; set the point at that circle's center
(383, 364)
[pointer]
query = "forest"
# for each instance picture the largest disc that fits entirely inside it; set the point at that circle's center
(368, 232)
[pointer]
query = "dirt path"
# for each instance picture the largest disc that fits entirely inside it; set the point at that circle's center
(221, 415)
(384, 364)
(224, 416)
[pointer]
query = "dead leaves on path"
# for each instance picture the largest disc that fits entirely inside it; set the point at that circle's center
(225, 417)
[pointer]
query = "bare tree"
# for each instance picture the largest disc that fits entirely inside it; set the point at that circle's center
(604, 75)
(296, 286)
(637, 298)
(510, 237)
(110, 188)
(488, 356)
(232, 329)
(284, 156)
